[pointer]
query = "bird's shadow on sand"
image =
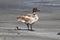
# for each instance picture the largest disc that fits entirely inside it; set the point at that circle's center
(19, 30)
(16, 31)
(24, 30)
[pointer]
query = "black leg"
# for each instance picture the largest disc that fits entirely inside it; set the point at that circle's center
(17, 27)
(31, 26)
(27, 26)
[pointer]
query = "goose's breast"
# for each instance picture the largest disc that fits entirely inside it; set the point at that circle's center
(34, 19)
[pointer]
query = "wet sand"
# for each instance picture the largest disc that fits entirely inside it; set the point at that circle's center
(45, 29)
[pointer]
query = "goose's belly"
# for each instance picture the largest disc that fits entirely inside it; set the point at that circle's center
(33, 20)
